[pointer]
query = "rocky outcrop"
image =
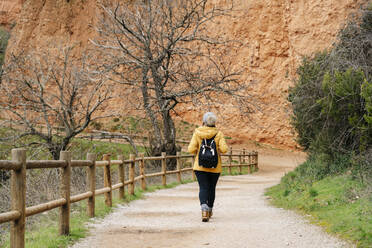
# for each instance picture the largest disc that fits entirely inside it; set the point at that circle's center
(9, 10)
(274, 34)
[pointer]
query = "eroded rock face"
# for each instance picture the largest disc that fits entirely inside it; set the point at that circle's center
(9, 10)
(274, 34)
(52, 23)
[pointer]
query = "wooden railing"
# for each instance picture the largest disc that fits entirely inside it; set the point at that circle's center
(18, 166)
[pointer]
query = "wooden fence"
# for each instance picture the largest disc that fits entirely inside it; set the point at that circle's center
(18, 166)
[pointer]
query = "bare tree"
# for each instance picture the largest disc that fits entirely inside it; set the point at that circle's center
(53, 98)
(163, 51)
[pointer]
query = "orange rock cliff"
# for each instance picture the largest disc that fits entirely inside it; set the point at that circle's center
(275, 34)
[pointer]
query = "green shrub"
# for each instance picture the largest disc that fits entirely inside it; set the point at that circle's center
(304, 96)
(334, 114)
(362, 168)
(332, 101)
(345, 110)
(366, 93)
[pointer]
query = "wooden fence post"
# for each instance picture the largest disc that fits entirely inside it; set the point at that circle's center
(107, 180)
(230, 160)
(18, 199)
(142, 171)
(256, 161)
(121, 177)
(132, 157)
(250, 159)
(179, 167)
(65, 192)
(164, 168)
(91, 179)
(243, 155)
(240, 162)
(192, 166)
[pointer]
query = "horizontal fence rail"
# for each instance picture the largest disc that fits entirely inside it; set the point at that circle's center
(18, 166)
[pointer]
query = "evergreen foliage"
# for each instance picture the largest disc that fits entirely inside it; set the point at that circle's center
(332, 99)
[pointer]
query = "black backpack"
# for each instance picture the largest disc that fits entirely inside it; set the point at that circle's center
(208, 157)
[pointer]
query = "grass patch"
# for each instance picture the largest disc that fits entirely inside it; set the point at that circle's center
(333, 202)
(235, 171)
(80, 148)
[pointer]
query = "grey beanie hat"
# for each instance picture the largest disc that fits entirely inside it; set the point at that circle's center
(209, 119)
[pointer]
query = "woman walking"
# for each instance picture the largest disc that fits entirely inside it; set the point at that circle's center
(207, 143)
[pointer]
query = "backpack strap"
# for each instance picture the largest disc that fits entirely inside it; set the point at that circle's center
(213, 140)
(214, 136)
(206, 143)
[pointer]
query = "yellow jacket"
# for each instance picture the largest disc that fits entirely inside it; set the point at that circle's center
(204, 132)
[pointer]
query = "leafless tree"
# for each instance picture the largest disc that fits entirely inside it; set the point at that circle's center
(164, 52)
(52, 98)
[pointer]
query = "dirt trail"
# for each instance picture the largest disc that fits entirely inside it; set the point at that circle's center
(242, 217)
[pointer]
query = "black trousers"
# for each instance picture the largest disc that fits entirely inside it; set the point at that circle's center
(207, 187)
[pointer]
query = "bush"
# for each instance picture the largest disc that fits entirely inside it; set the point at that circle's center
(344, 108)
(366, 93)
(362, 168)
(304, 97)
(334, 113)
(332, 101)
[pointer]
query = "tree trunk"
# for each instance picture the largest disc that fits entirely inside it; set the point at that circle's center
(55, 152)
(165, 141)
(169, 141)
(56, 148)
(155, 141)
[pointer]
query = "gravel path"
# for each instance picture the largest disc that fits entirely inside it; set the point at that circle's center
(242, 217)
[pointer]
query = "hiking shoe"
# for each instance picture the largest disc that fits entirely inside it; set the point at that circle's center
(210, 213)
(205, 216)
